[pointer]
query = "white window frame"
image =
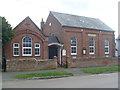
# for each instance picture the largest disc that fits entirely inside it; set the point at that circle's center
(26, 48)
(107, 46)
(73, 47)
(37, 48)
(91, 53)
(16, 47)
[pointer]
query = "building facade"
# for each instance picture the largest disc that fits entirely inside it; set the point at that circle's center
(28, 42)
(62, 35)
(81, 36)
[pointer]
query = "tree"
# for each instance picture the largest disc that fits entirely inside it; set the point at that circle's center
(0, 27)
(7, 32)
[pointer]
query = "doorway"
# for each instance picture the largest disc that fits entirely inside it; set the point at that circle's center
(53, 51)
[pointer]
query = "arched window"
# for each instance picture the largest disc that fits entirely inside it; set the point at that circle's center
(73, 46)
(92, 46)
(106, 46)
(27, 46)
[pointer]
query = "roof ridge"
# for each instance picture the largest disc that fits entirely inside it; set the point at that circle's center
(74, 15)
(77, 21)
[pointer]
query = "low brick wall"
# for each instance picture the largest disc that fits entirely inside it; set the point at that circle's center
(93, 62)
(33, 64)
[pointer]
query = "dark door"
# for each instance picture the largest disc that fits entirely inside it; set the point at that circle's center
(53, 52)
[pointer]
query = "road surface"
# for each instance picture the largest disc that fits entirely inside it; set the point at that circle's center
(109, 80)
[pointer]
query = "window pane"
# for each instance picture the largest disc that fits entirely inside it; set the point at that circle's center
(15, 45)
(37, 45)
(106, 49)
(91, 49)
(27, 39)
(27, 51)
(37, 51)
(106, 43)
(73, 49)
(16, 51)
(73, 45)
(91, 42)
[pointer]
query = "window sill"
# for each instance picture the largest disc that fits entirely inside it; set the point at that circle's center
(27, 55)
(106, 53)
(15, 55)
(91, 53)
(37, 55)
(74, 54)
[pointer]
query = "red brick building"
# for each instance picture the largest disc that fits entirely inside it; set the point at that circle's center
(81, 36)
(61, 35)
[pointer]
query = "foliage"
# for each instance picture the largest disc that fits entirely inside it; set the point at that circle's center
(7, 32)
(0, 27)
(64, 65)
(42, 74)
(100, 70)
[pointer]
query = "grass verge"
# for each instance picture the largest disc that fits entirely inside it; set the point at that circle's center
(101, 69)
(42, 74)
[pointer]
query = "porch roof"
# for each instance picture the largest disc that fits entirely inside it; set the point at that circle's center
(53, 40)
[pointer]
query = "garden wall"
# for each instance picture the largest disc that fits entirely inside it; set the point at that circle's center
(33, 64)
(93, 62)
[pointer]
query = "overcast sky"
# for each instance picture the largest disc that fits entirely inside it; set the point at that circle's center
(16, 10)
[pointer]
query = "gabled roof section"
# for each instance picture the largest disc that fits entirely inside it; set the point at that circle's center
(27, 23)
(80, 21)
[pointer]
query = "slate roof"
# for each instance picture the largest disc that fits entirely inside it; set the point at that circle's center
(53, 39)
(80, 21)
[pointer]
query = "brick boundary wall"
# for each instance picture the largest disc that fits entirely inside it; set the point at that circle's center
(33, 64)
(93, 62)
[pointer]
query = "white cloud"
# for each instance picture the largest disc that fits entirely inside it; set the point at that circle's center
(16, 10)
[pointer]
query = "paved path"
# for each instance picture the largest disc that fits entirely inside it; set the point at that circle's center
(109, 80)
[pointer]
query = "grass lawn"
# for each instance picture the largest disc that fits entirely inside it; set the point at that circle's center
(42, 74)
(100, 70)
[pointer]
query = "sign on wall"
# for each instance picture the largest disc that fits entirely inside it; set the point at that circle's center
(63, 52)
(92, 35)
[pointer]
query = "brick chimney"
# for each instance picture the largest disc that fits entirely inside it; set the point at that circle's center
(42, 24)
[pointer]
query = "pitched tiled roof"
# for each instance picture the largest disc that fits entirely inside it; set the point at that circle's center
(53, 39)
(80, 21)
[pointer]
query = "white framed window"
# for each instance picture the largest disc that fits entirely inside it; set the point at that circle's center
(37, 49)
(16, 49)
(106, 46)
(92, 46)
(27, 46)
(73, 46)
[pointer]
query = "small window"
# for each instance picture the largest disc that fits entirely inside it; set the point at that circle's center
(106, 47)
(16, 49)
(37, 49)
(73, 46)
(92, 46)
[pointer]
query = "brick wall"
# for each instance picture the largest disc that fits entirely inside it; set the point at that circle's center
(32, 64)
(83, 42)
(93, 62)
